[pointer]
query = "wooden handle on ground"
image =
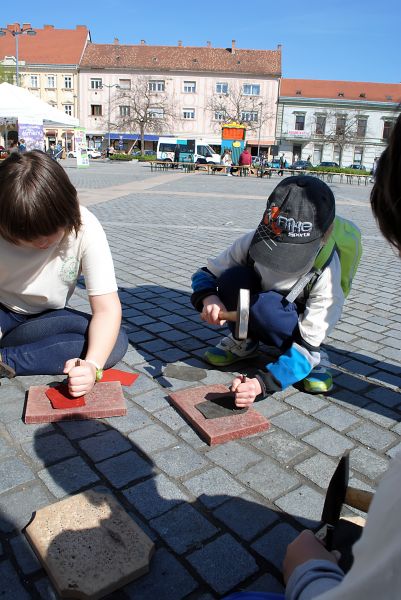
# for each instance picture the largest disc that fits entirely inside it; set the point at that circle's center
(228, 315)
(359, 499)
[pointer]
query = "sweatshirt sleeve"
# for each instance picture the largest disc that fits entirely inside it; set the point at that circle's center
(312, 579)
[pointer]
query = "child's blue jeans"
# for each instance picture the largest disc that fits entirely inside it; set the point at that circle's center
(41, 344)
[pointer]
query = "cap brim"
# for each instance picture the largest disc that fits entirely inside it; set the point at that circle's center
(283, 257)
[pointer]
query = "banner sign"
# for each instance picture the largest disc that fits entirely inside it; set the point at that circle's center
(81, 147)
(32, 134)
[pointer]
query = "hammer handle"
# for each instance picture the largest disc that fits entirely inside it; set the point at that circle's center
(228, 315)
(359, 499)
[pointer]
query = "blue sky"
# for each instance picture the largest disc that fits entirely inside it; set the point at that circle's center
(347, 40)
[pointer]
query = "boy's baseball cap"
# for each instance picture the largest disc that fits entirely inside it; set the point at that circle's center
(299, 211)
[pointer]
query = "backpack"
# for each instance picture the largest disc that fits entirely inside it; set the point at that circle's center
(345, 239)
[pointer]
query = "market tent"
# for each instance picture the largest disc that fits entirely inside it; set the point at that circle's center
(18, 103)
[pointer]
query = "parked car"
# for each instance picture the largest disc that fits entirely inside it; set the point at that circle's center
(92, 153)
(358, 166)
(328, 163)
(72, 154)
(300, 165)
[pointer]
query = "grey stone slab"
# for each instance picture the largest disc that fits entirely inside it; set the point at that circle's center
(17, 506)
(348, 399)
(318, 468)
(273, 545)
(24, 555)
(10, 585)
(68, 477)
(183, 527)
(143, 384)
(373, 436)
(125, 468)
(134, 419)
(21, 432)
(307, 403)
(155, 496)
(152, 438)
(223, 563)
(213, 487)
(353, 384)
(379, 414)
(46, 450)
(394, 450)
(167, 579)
(6, 449)
(104, 445)
(179, 461)
(329, 441)
(170, 417)
(270, 407)
(190, 436)
(279, 445)
(245, 516)
(294, 423)
(384, 396)
(151, 401)
(304, 504)
(368, 463)
(269, 479)
(14, 472)
(336, 418)
(75, 430)
(233, 456)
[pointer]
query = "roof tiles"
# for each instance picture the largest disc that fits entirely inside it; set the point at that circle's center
(341, 90)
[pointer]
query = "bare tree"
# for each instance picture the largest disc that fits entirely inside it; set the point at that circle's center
(143, 109)
(7, 73)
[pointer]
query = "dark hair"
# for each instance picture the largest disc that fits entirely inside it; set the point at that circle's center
(36, 198)
(385, 197)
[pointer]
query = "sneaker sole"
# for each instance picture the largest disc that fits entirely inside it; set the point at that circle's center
(315, 388)
(220, 362)
(6, 371)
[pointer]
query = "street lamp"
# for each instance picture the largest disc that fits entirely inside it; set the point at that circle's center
(260, 127)
(108, 119)
(15, 33)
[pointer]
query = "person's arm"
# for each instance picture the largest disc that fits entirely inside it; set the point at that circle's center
(103, 331)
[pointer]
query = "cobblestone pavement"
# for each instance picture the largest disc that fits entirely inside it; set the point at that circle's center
(221, 517)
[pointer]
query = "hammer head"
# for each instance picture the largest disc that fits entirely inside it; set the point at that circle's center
(241, 325)
(336, 492)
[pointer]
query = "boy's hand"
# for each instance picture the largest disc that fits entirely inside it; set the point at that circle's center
(81, 379)
(245, 391)
(305, 547)
(212, 305)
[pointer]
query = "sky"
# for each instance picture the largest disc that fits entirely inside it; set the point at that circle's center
(347, 40)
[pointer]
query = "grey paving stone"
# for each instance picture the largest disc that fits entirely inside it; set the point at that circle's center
(379, 414)
(48, 449)
(234, 563)
(75, 430)
(190, 436)
(394, 450)
(294, 423)
(151, 401)
(318, 468)
(6, 449)
(14, 472)
(143, 384)
(21, 432)
(385, 396)
(273, 545)
(267, 478)
(368, 463)
(373, 436)
(17, 506)
(348, 399)
(170, 417)
(304, 504)
(213, 487)
(10, 586)
(125, 468)
(24, 555)
(266, 583)
(104, 445)
(67, 477)
(183, 527)
(179, 460)
(167, 579)
(245, 516)
(233, 456)
(152, 438)
(155, 496)
(350, 383)
(172, 355)
(336, 418)
(307, 403)
(329, 442)
(134, 419)
(280, 446)
(271, 406)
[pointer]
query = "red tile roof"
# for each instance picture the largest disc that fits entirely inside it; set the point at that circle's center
(341, 90)
(183, 58)
(50, 46)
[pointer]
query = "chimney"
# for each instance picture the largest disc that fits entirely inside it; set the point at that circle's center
(143, 43)
(279, 46)
(27, 26)
(81, 27)
(232, 46)
(179, 43)
(48, 26)
(209, 44)
(116, 41)
(13, 27)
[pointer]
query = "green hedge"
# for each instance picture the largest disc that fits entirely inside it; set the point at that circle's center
(121, 157)
(146, 157)
(344, 170)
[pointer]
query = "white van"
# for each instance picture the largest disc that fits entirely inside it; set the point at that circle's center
(190, 149)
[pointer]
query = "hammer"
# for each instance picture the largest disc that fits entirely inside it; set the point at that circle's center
(240, 316)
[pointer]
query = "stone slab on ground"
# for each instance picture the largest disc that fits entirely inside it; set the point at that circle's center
(105, 400)
(89, 545)
(220, 430)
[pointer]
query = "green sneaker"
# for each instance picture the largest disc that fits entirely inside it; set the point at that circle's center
(230, 350)
(319, 381)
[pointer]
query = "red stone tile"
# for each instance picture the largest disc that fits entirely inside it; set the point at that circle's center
(223, 429)
(105, 400)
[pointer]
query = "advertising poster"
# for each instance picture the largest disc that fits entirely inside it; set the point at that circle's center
(81, 147)
(32, 134)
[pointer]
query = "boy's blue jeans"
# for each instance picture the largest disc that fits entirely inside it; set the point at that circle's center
(272, 319)
(41, 344)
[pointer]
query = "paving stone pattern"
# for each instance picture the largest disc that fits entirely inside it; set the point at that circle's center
(220, 517)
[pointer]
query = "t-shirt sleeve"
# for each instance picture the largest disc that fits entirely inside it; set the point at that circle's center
(97, 262)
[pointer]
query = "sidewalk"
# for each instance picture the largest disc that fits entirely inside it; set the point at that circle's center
(221, 517)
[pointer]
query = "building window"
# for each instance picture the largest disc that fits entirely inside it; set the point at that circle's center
(320, 124)
(299, 122)
(219, 115)
(317, 154)
(96, 110)
(156, 113)
(340, 126)
(336, 153)
(68, 109)
(156, 86)
(361, 128)
(249, 116)
(221, 88)
(68, 82)
(387, 127)
(125, 84)
(188, 113)
(124, 111)
(34, 81)
(251, 89)
(95, 84)
(189, 87)
(358, 152)
(51, 82)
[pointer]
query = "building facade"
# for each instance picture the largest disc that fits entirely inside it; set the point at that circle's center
(335, 121)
